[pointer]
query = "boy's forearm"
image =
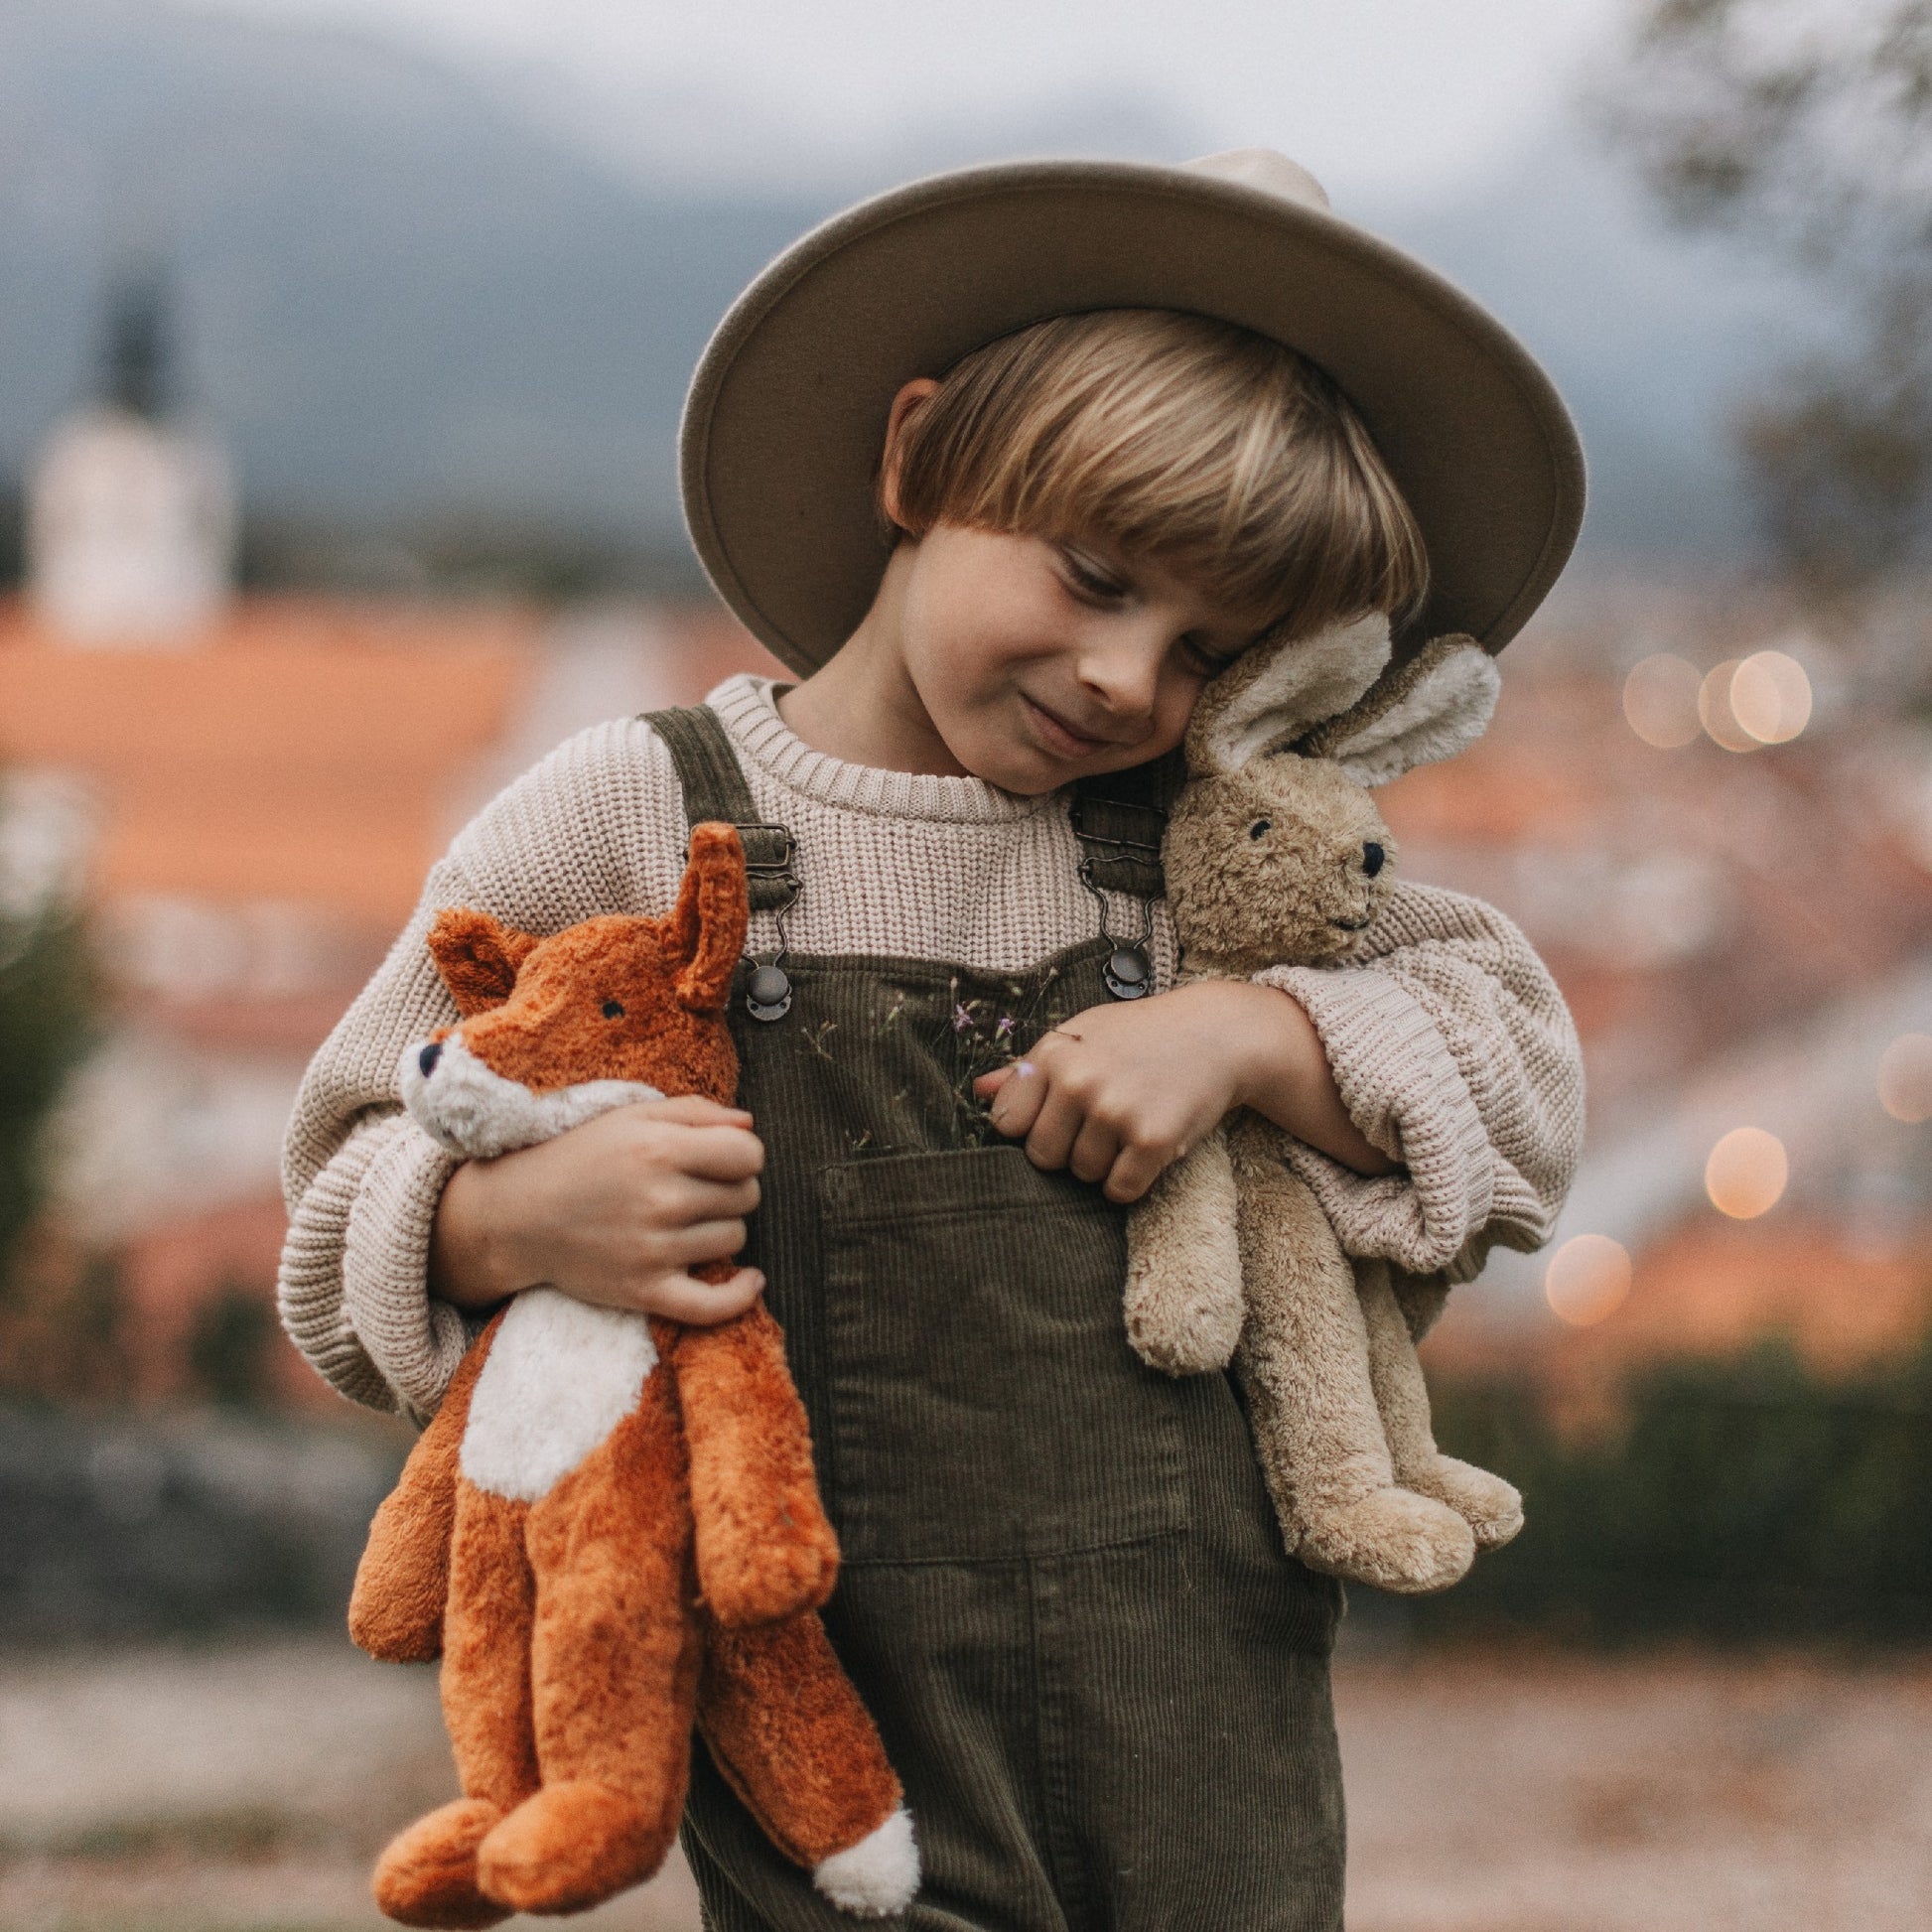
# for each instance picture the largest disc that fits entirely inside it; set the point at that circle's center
(468, 1263)
(1285, 1075)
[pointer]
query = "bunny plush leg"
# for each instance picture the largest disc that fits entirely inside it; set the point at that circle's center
(789, 1735)
(1184, 1301)
(428, 1875)
(1490, 1506)
(765, 1548)
(1305, 1360)
(614, 1668)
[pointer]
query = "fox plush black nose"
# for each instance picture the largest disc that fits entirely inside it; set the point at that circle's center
(1373, 858)
(427, 1058)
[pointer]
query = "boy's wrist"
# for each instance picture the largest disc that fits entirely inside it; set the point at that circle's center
(470, 1260)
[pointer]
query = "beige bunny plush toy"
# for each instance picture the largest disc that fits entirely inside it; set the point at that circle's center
(1274, 854)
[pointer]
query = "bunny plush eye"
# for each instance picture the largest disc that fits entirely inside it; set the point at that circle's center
(1373, 858)
(614, 1009)
(1260, 826)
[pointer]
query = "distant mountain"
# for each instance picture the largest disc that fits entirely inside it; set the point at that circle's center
(401, 297)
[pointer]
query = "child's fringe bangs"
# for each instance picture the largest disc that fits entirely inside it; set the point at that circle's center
(1224, 456)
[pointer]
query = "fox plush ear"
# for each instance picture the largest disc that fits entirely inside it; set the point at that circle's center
(706, 928)
(477, 956)
(1274, 691)
(1436, 704)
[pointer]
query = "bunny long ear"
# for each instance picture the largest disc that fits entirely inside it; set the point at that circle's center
(1274, 691)
(1438, 703)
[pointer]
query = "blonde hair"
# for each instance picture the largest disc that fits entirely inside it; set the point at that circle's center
(1220, 454)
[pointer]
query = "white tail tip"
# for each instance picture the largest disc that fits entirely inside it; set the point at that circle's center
(877, 1876)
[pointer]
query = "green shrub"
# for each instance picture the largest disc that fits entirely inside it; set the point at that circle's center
(1737, 1500)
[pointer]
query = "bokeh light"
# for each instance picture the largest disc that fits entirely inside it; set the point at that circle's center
(1660, 701)
(1715, 712)
(1770, 696)
(1906, 1077)
(1588, 1277)
(1746, 1173)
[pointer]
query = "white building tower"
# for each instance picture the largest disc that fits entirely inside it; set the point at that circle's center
(131, 520)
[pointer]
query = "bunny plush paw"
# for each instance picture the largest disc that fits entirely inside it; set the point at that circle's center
(1392, 1539)
(1492, 1508)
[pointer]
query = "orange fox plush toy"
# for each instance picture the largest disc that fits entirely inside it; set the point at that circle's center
(611, 1529)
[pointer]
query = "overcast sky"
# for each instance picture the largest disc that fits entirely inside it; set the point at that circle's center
(1383, 98)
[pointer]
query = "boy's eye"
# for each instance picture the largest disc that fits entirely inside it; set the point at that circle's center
(1087, 579)
(614, 1009)
(1206, 662)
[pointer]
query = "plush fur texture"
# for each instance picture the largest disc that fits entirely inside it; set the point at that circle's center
(611, 1531)
(1275, 856)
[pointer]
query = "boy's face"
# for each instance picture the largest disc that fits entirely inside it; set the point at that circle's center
(1041, 662)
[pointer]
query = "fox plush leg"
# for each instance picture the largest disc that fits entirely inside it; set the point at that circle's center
(613, 1672)
(1490, 1506)
(1183, 1265)
(429, 1875)
(1305, 1360)
(395, 1611)
(765, 1548)
(789, 1735)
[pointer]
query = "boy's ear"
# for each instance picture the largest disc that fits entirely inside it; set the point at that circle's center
(1434, 706)
(477, 956)
(706, 928)
(1274, 691)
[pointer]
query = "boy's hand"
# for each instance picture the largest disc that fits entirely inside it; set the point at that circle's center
(616, 1213)
(1120, 1091)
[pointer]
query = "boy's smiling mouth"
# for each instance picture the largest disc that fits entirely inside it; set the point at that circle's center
(1060, 737)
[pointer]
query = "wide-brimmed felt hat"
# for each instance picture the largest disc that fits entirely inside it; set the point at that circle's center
(787, 411)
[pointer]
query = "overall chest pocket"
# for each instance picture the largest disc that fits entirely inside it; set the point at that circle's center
(983, 1401)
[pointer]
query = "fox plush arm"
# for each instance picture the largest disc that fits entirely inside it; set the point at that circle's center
(402, 1584)
(765, 1548)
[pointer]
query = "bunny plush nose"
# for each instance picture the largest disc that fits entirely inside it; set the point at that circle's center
(427, 1058)
(1373, 858)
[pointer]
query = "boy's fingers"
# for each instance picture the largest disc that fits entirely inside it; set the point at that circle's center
(1054, 1132)
(987, 1084)
(694, 1110)
(1017, 1099)
(683, 1297)
(720, 1153)
(716, 1240)
(1134, 1171)
(1093, 1153)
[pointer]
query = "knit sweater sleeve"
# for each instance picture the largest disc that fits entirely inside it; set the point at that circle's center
(597, 827)
(1455, 1054)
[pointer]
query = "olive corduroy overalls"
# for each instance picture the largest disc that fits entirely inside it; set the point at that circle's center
(1064, 1593)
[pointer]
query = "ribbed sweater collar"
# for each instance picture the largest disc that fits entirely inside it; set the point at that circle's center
(749, 711)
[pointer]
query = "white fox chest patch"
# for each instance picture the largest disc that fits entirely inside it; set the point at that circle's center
(561, 1375)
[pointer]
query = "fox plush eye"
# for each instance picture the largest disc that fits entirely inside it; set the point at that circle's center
(1260, 826)
(614, 1009)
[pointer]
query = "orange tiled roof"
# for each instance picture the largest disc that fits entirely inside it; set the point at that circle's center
(305, 749)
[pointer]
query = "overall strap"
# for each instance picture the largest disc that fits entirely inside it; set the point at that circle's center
(715, 788)
(1119, 818)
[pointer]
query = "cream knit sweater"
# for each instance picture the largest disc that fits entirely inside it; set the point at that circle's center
(1452, 1048)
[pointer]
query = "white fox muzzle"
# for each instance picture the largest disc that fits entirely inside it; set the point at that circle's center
(467, 1106)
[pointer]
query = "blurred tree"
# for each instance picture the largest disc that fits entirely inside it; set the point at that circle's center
(1807, 126)
(46, 1007)
(231, 1346)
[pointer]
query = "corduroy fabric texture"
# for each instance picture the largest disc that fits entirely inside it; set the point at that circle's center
(1479, 1085)
(1063, 1593)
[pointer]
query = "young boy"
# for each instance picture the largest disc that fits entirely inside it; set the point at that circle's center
(1006, 464)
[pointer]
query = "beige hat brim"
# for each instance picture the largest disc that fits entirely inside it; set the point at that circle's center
(786, 415)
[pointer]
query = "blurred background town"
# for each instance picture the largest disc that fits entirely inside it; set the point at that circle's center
(341, 343)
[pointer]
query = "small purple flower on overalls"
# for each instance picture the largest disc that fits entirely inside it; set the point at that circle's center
(961, 1019)
(1004, 1030)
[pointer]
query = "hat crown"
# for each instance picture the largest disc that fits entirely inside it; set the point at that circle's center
(1263, 168)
